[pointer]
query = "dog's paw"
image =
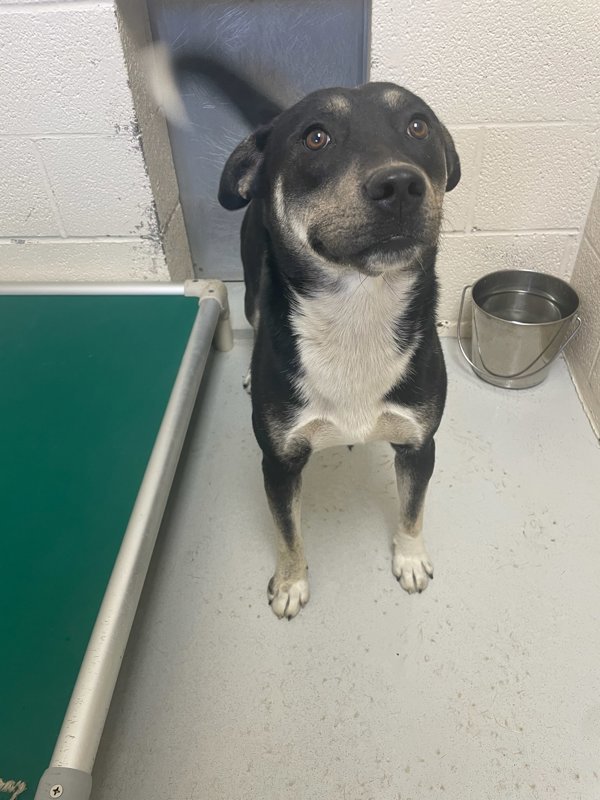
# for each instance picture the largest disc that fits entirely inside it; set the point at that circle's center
(247, 382)
(287, 597)
(413, 572)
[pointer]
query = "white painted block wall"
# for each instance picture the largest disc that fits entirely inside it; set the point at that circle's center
(75, 200)
(518, 84)
(584, 354)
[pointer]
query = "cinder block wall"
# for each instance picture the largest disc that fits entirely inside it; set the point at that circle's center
(519, 86)
(75, 200)
(584, 353)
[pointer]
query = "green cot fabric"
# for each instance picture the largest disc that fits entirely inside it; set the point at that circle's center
(84, 382)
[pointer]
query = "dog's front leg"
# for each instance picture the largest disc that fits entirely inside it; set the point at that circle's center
(411, 565)
(288, 588)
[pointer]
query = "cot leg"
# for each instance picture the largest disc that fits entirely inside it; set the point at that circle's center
(223, 339)
(216, 290)
(62, 783)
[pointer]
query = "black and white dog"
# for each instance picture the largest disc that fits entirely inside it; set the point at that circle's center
(344, 193)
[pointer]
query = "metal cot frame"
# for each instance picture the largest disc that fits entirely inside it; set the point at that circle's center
(69, 775)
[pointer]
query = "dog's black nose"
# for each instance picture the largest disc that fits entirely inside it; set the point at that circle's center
(395, 186)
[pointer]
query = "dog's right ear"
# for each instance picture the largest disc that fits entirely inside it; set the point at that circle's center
(242, 173)
(452, 161)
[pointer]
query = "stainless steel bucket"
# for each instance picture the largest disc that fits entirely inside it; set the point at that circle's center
(522, 321)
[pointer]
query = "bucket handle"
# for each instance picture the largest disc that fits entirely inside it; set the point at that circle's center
(485, 372)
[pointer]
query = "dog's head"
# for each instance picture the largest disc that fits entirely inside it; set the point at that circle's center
(353, 177)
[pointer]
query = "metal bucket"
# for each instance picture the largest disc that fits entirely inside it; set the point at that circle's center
(522, 321)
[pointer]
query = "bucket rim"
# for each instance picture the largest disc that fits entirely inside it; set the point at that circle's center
(536, 273)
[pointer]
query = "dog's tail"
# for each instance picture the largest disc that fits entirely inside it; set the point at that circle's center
(163, 71)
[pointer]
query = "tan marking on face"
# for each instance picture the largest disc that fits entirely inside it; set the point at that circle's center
(392, 98)
(338, 104)
(291, 221)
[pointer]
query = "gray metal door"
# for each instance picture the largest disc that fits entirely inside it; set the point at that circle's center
(289, 48)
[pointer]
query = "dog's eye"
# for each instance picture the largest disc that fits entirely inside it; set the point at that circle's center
(316, 139)
(418, 129)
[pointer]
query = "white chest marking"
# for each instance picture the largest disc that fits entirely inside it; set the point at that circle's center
(350, 361)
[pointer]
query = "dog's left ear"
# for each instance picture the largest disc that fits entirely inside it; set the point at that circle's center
(452, 161)
(241, 176)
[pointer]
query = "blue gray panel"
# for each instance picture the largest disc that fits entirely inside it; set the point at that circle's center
(289, 48)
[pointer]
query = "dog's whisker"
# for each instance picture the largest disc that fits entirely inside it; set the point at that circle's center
(390, 287)
(361, 284)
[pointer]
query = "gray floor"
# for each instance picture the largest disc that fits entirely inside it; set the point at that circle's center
(485, 686)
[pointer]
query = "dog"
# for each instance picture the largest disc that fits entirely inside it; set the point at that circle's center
(343, 194)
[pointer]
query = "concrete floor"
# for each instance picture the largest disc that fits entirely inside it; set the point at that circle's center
(485, 686)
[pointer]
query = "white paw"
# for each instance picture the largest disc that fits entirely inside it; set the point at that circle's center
(288, 597)
(247, 382)
(413, 572)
